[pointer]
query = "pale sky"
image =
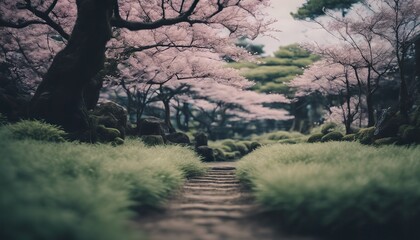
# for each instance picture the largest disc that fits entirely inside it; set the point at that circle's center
(291, 31)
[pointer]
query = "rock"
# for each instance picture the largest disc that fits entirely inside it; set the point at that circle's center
(385, 141)
(111, 115)
(349, 138)
(206, 153)
(388, 124)
(332, 136)
(107, 134)
(200, 139)
(315, 138)
(152, 140)
(152, 126)
(118, 141)
(178, 138)
(365, 135)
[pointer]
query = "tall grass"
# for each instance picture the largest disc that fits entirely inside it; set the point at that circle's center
(80, 191)
(333, 188)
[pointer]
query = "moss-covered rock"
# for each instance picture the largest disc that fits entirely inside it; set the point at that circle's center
(242, 148)
(219, 155)
(365, 135)
(106, 134)
(178, 138)
(388, 124)
(328, 127)
(385, 141)
(152, 140)
(152, 126)
(349, 137)
(315, 138)
(111, 115)
(332, 136)
(230, 144)
(118, 141)
(206, 153)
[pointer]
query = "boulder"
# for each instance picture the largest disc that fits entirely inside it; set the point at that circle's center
(332, 136)
(315, 138)
(178, 138)
(152, 140)
(152, 126)
(206, 153)
(200, 139)
(388, 124)
(111, 115)
(106, 134)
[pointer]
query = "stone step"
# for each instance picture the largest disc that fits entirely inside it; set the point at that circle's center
(215, 178)
(210, 188)
(209, 214)
(219, 185)
(220, 172)
(213, 181)
(226, 168)
(212, 207)
(211, 192)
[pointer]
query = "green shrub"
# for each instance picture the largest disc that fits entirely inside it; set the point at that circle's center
(315, 138)
(328, 127)
(338, 188)
(230, 155)
(365, 135)
(230, 144)
(332, 136)
(349, 137)
(242, 148)
(219, 155)
(226, 148)
(247, 144)
(80, 191)
(36, 130)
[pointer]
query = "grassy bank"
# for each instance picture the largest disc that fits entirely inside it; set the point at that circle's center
(81, 191)
(335, 188)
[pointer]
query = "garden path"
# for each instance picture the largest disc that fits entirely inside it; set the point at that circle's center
(210, 207)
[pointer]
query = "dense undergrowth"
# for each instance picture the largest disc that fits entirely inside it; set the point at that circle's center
(77, 191)
(335, 188)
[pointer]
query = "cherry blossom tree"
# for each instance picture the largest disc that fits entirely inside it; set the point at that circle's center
(215, 105)
(149, 33)
(372, 38)
(332, 79)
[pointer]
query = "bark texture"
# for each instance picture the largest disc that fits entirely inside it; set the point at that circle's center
(69, 88)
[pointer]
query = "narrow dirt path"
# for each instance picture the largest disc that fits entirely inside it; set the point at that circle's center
(211, 207)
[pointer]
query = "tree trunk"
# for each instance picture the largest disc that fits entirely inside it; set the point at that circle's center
(69, 87)
(404, 99)
(168, 116)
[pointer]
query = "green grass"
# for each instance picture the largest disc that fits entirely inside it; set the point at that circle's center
(79, 191)
(334, 188)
